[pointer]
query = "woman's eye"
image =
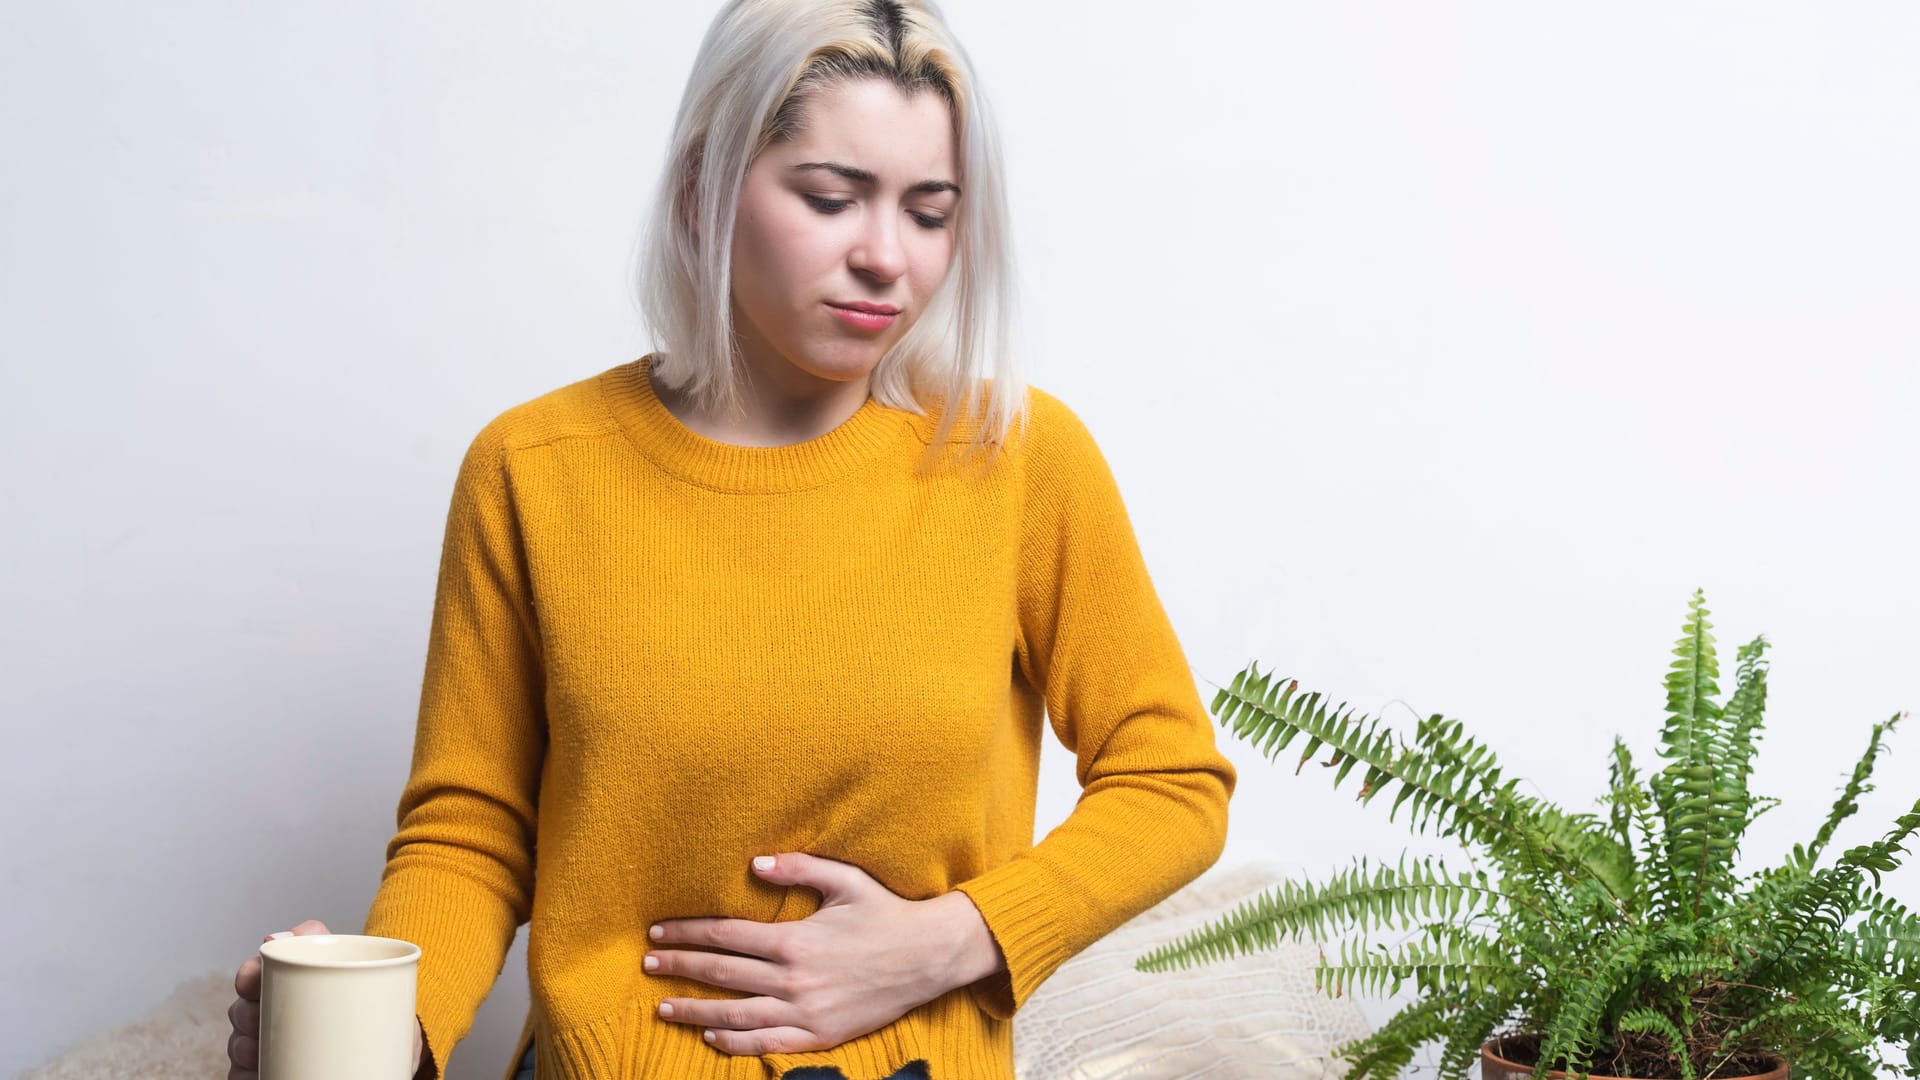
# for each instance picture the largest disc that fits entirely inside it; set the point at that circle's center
(834, 206)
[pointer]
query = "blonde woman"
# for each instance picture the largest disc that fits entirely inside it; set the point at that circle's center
(753, 640)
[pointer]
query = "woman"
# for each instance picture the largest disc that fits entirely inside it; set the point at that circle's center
(752, 638)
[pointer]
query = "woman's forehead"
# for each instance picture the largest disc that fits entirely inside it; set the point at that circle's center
(879, 132)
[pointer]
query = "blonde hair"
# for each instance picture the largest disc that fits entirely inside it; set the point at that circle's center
(762, 62)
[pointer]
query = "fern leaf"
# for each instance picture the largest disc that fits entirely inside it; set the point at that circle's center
(1849, 801)
(1695, 799)
(1656, 1023)
(1469, 1030)
(1450, 782)
(1391, 896)
(1455, 962)
(1746, 713)
(1387, 1051)
(1574, 1031)
(1821, 901)
(1574, 841)
(1807, 1015)
(1888, 940)
(1833, 1059)
(1623, 792)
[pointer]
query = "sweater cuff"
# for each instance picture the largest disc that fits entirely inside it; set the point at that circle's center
(463, 943)
(429, 1069)
(1020, 910)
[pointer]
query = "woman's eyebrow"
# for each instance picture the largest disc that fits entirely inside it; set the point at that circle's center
(862, 176)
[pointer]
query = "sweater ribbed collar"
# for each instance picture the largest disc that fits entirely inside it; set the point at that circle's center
(693, 457)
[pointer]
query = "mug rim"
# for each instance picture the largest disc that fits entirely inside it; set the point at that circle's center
(270, 949)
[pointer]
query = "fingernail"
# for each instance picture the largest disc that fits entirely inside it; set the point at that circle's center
(281, 934)
(650, 963)
(656, 933)
(707, 1035)
(763, 862)
(666, 1009)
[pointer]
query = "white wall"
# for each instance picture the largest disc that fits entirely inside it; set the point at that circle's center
(1441, 351)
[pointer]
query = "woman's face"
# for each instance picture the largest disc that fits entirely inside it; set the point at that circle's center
(876, 228)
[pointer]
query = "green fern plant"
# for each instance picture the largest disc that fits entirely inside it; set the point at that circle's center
(1622, 943)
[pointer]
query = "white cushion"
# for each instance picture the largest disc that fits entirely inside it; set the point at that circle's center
(1258, 1016)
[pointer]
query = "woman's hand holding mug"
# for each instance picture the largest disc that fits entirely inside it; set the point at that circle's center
(243, 1046)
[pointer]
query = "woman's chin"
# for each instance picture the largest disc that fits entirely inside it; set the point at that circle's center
(837, 366)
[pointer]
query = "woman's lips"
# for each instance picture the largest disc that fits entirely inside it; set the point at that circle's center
(864, 320)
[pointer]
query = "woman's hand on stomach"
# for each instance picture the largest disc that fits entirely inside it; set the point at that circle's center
(866, 958)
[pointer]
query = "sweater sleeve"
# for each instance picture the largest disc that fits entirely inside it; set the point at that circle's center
(1094, 639)
(458, 880)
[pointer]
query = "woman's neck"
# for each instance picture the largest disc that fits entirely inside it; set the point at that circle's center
(777, 409)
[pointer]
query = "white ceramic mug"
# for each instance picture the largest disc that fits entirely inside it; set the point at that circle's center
(337, 1006)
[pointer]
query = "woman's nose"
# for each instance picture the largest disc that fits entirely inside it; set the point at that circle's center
(879, 252)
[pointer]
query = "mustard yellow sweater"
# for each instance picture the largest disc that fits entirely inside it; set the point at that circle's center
(654, 656)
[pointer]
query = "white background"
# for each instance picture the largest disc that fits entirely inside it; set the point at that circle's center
(1441, 351)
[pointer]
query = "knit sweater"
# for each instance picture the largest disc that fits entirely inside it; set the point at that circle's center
(654, 656)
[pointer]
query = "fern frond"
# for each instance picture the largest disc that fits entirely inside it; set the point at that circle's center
(1572, 1034)
(1454, 962)
(1443, 788)
(1807, 1015)
(1746, 714)
(1451, 782)
(1900, 1025)
(1697, 802)
(1888, 940)
(1574, 842)
(1823, 899)
(1624, 794)
(1656, 1023)
(1868, 859)
(1387, 1051)
(1849, 801)
(1686, 963)
(1391, 896)
(1830, 1058)
(1469, 1030)
(1537, 829)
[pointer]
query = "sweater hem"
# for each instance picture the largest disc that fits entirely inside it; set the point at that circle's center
(950, 1034)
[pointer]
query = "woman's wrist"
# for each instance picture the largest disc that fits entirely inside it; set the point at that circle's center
(968, 952)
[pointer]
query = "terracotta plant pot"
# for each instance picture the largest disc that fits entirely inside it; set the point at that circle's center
(1495, 1067)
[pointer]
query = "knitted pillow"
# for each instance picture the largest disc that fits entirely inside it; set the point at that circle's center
(1096, 1018)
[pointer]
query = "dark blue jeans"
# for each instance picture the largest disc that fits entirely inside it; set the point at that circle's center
(912, 1070)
